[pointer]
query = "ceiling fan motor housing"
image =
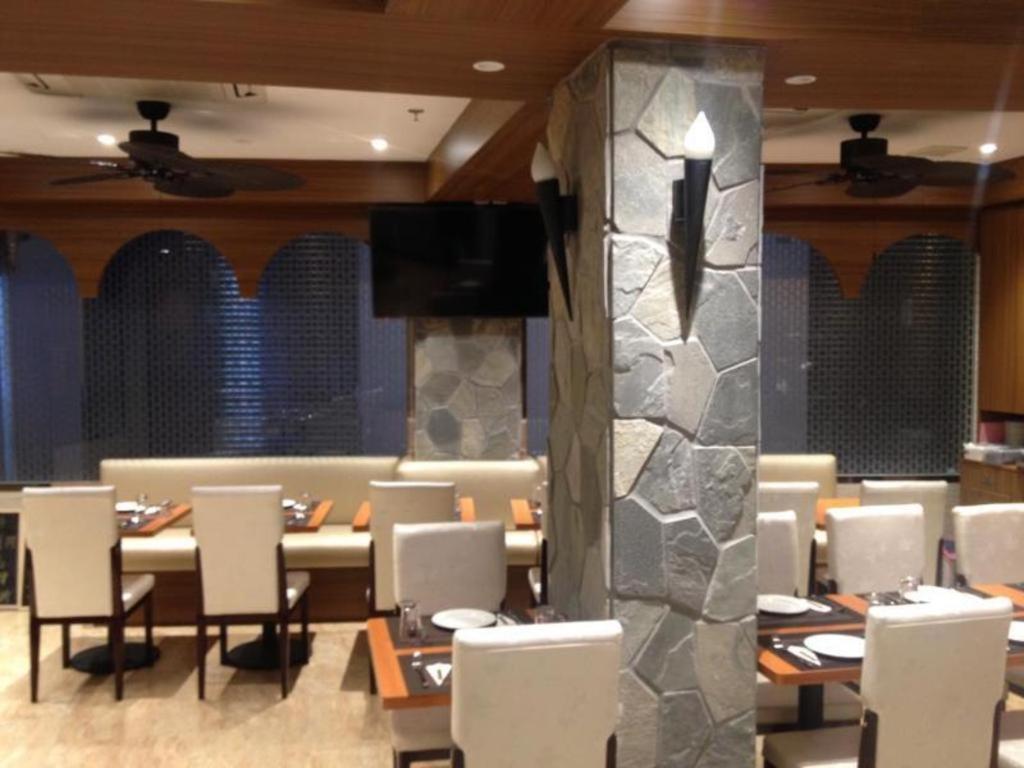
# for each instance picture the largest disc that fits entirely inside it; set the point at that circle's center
(161, 138)
(852, 150)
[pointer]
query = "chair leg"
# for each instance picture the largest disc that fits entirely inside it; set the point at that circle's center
(117, 643)
(65, 645)
(33, 642)
(223, 643)
(404, 760)
(304, 608)
(373, 677)
(201, 655)
(147, 609)
(285, 649)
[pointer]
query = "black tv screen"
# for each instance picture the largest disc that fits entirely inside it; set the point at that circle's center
(458, 259)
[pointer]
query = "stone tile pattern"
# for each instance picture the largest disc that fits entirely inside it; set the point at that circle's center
(468, 382)
(682, 418)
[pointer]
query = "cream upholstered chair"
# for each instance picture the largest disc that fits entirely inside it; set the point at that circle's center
(441, 566)
(1011, 740)
(989, 543)
(73, 572)
(537, 576)
(557, 682)
(802, 498)
(240, 568)
(817, 468)
(932, 686)
(778, 562)
(400, 502)
(872, 548)
(933, 496)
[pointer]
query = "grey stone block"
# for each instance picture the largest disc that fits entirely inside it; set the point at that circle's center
(725, 665)
(638, 569)
(691, 379)
(733, 589)
(724, 484)
(638, 619)
(686, 729)
(667, 479)
(640, 187)
(669, 114)
(443, 429)
(732, 745)
(639, 371)
(690, 557)
(735, 119)
(726, 323)
(633, 84)
(634, 260)
(657, 306)
(637, 731)
(634, 441)
(733, 228)
(751, 281)
(496, 367)
(731, 418)
(667, 661)
(439, 388)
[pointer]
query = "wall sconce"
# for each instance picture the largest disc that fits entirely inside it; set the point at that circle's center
(689, 198)
(559, 213)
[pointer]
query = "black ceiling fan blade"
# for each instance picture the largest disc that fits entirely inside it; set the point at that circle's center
(834, 178)
(255, 178)
(953, 174)
(93, 177)
(193, 186)
(881, 187)
(159, 156)
(893, 165)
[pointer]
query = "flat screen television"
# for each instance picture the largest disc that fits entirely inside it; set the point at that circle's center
(458, 260)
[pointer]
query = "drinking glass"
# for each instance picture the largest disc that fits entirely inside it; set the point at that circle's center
(142, 504)
(545, 614)
(908, 584)
(410, 627)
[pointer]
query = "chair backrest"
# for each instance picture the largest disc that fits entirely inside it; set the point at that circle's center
(990, 543)
(557, 682)
(934, 676)
(778, 563)
(932, 495)
(238, 529)
(450, 565)
(71, 531)
(802, 498)
(817, 468)
(871, 548)
(401, 502)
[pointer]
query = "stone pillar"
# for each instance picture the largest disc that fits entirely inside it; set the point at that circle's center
(653, 433)
(468, 388)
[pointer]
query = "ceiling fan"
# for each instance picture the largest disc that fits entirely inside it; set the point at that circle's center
(153, 156)
(871, 172)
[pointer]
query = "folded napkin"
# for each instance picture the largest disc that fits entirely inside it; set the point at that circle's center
(439, 672)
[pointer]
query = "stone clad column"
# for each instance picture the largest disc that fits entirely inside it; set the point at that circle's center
(654, 425)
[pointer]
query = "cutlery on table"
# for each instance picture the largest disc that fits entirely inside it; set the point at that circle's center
(804, 654)
(819, 607)
(417, 664)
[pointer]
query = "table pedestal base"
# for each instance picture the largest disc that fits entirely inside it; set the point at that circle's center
(100, 661)
(811, 707)
(264, 653)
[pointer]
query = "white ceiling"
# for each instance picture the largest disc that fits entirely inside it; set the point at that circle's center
(213, 121)
(813, 135)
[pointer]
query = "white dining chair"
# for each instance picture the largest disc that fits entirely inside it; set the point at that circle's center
(933, 496)
(817, 468)
(778, 560)
(400, 502)
(872, 548)
(1011, 740)
(989, 543)
(73, 573)
(537, 575)
(241, 569)
(442, 566)
(932, 686)
(557, 682)
(802, 498)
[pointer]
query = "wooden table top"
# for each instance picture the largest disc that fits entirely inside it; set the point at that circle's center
(361, 522)
(522, 514)
(157, 522)
(777, 667)
(824, 505)
(391, 687)
(312, 522)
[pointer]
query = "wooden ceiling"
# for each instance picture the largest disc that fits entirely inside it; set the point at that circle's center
(879, 54)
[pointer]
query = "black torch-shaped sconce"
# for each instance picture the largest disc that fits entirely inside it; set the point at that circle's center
(689, 198)
(559, 213)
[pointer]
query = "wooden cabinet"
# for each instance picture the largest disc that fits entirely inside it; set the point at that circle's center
(1001, 311)
(990, 483)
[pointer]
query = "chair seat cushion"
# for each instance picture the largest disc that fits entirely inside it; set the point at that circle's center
(173, 549)
(778, 704)
(533, 578)
(412, 730)
(296, 582)
(822, 748)
(333, 546)
(134, 587)
(522, 547)
(1011, 740)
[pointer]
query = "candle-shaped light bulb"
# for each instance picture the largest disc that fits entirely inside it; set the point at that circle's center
(543, 167)
(699, 142)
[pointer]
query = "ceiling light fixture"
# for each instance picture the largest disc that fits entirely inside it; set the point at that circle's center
(988, 148)
(106, 139)
(801, 80)
(379, 144)
(488, 66)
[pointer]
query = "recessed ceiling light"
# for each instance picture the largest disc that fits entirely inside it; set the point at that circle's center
(988, 148)
(801, 80)
(106, 139)
(379, 144)
(488, 66)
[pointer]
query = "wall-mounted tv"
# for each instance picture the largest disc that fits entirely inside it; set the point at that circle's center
(458, 260)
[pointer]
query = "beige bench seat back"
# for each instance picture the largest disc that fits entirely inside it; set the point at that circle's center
(817, 468)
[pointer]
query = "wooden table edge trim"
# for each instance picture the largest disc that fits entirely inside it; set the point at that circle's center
(391, 688)
(361, 522)
(822, 506)
(522, 515)
(153, 527)
(781, 672)
(320, 513)
(467, 509)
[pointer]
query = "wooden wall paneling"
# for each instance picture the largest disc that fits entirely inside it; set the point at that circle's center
(1000, 361)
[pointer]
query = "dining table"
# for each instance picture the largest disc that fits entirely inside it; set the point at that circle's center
(524, 515)
(845, 614)
(361, 522)
(151, 520)
(824, 505)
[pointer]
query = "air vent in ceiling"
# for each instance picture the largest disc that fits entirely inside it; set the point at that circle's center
(124, 89)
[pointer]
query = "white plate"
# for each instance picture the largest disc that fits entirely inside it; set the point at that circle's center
(1017, 631)
(288, 503)
(836, 646)
(126, 506)
(927, 593)
(782, 605)
(463, 618)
